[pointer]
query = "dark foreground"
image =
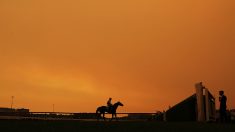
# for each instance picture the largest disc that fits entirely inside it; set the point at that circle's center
(116, 126)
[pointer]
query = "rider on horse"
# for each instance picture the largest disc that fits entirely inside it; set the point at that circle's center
(109, 109)
(109, 104)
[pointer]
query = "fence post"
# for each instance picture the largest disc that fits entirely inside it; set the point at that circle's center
(200, 102)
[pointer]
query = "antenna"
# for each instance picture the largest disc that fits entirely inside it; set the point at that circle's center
(12, 101)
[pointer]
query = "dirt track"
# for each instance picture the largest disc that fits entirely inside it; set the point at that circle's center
(116, 126)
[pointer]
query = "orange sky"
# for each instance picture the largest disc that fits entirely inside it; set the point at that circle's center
(146, 53)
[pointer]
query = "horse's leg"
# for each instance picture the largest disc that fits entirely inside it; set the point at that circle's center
(116, 116)
(98, 113)
(104, 116)
(98, 116)
(112, 117)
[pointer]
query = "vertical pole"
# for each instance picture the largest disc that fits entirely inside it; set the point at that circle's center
(164, 116)
(12, 100)
(200, 102)
(214, 109)
(207, 102)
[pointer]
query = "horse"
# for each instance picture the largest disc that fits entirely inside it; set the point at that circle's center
(104, 109)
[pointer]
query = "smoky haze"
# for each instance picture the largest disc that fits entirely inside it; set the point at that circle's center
(147, 54)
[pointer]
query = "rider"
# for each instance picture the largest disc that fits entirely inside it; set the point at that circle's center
(223, 106)
(109, 103)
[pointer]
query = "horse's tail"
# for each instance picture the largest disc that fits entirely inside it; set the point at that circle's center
(97, 111)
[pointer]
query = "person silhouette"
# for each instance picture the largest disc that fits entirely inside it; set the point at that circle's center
(223, 106)
(109, 104)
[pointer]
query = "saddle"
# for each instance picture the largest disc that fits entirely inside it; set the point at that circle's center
(109, 108)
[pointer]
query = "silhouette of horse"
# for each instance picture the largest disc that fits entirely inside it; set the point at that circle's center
(104, 109)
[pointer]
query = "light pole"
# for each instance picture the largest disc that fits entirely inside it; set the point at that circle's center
(12, 101)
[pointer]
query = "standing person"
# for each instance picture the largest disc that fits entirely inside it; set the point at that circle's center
(223, 106)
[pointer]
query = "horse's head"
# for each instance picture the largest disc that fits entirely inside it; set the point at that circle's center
(119, 103)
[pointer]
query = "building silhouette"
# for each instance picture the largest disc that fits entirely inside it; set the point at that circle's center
(198, 107)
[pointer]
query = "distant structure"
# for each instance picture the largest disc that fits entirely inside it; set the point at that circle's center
(136, 116)
(12, 100)
(84, 116)
(13, 112)
(198, 107)
(232, 114)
